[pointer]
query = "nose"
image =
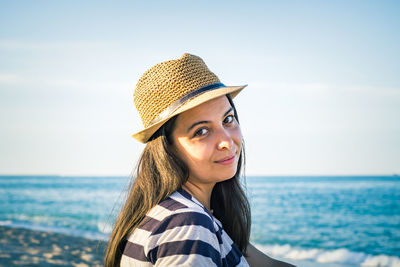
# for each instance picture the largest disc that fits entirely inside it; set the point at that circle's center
(225, 140)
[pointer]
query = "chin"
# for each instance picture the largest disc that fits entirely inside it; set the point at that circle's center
(228, 175)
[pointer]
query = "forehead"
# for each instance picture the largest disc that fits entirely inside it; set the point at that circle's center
(206, 111)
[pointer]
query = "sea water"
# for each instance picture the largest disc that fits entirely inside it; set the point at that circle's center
(312, 221)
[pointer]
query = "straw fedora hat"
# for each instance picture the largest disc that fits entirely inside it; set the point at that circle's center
(172, 87)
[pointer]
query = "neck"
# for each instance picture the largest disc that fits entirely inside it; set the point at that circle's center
(201, 192)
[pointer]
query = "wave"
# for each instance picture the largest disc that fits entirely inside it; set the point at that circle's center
(104, 227)
(5, 223)
(340, 257)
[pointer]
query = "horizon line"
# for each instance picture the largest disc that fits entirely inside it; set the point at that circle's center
(248, 175)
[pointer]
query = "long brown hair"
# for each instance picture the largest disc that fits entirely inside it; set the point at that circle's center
(159, 173)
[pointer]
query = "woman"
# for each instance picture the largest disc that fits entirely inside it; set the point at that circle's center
(186, 206)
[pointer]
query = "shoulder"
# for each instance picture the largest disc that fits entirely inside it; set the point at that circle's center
(176, 231)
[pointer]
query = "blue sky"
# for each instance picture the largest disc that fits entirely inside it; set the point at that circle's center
(323, 76)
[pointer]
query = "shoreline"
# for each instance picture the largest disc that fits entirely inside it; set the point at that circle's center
(19, 246)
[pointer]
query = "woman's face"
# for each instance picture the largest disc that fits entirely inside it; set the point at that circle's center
(208, 139)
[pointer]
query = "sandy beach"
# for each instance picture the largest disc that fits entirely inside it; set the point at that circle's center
(35, 248)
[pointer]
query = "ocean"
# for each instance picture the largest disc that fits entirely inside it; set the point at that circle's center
(312, 221)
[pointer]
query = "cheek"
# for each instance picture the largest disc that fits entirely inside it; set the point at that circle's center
(236, 135)
(193, 154)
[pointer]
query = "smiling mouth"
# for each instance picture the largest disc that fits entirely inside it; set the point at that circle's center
(226, 161)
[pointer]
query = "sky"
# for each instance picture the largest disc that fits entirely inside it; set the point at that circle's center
(323, 95)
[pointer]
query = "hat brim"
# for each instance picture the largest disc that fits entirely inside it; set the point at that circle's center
(144, 135)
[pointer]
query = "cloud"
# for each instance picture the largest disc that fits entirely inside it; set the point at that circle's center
(8, 78)
(37, 45)
(320, 88)
(70, 84)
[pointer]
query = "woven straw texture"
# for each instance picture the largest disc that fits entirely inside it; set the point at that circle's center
(167, 82)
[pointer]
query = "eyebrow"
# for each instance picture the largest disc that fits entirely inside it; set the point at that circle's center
(202, 122)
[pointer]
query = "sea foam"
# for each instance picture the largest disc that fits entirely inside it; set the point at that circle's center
(337, 256)
(104, 227)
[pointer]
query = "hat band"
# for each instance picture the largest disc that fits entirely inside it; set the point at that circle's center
(175, 105)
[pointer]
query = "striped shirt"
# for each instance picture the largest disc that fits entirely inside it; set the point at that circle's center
(180, 231)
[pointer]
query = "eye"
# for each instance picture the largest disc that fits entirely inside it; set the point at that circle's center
(200, 132)
(228, 119)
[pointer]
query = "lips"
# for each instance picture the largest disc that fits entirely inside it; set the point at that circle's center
(226, 160)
